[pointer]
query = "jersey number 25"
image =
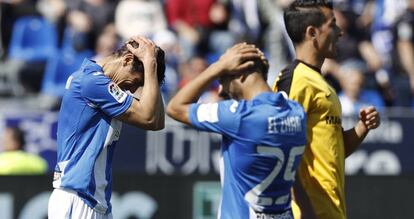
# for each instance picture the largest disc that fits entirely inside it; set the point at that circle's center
(254, 195)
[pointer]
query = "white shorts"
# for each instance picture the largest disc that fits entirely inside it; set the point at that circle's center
(66, 204)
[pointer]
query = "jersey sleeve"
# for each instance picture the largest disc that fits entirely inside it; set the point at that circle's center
(101, 92)
(222, 117)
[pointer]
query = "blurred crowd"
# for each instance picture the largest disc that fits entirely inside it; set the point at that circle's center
(44, 41)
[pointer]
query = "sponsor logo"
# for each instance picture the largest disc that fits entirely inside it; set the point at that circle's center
(285, 215)
(333, 120)
(116, 92)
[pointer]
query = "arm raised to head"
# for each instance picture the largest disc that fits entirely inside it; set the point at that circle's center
(236, 60)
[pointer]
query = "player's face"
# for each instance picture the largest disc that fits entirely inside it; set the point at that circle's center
(329, 34)
(131, 80)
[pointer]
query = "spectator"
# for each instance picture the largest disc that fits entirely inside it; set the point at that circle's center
(55, 12)
(190, 70)
(139, 17)
(147, 18)
(10, 11)
(245, 20)
(12, 70)
(14, 160)
(354, 45)
(403, 57)
(87, 18)
(168, 42)
(353, 96)
(190, 20)
(107, 42)
(275, 39)
(220, 37)
(384, 17)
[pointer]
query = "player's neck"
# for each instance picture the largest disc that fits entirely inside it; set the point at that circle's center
(254, 86)
(109, 68)
(308, 54)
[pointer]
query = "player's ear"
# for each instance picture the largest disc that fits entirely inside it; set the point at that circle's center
(127, 59)
(242, 77)
(311, 32)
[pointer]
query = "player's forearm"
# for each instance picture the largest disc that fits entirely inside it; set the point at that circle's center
(178, 106)
(152, 109)
(193, 90)
(160, 113)
(406, 53)
(354, 137)
(370, 55)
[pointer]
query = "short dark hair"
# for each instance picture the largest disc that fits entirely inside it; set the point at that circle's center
(303, 13)
(137, 65)
(262, 66)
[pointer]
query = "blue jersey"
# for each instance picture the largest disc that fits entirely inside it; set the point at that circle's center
(263, 141)
(87, 134)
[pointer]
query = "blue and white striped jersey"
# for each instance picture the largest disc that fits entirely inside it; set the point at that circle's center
(87, 134)
(263, 141)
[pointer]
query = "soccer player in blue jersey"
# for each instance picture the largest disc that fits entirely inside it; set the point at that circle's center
(93, 108)
(264, 134)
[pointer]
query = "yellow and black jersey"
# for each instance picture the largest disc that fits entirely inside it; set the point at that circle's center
(321, 172)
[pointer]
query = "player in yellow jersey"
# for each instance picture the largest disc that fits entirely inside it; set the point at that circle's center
(319, 188)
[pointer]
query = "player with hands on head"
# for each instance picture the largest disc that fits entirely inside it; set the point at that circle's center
(148, 112)
(95, 104)
(264, 133)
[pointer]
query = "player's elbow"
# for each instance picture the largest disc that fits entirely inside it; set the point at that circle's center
(154, 128)
(159, 124)
(176, 112)
(172, 111)
(151, 122)
(179, 113)
(155, 123)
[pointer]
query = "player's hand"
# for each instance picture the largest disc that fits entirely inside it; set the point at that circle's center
(370, 117)
(239, 58)
(146, 50)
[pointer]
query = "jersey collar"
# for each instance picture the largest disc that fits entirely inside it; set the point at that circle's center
(309, 66)
(89, 65)
(271, 98)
